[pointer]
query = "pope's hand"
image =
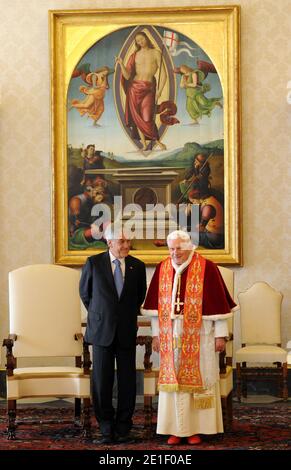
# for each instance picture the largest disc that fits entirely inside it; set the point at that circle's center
(156, 344)
(220, 344)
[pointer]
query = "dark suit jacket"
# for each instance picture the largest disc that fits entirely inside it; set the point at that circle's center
(109, 315)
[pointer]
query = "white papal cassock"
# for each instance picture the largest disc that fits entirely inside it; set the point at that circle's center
(178, 413)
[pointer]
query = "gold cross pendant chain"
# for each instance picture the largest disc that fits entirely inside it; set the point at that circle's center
(178, 303)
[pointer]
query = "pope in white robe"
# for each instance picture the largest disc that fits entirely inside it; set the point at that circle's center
(189, 305)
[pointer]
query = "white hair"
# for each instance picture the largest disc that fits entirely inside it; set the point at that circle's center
(115, 231)
(181, 235)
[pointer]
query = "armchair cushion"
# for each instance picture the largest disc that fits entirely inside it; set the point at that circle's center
(261, 353)
(151, 382)
(37, 381)
(49, 371)
(61, 386)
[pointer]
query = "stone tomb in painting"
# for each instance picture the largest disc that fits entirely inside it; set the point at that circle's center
(142, 187)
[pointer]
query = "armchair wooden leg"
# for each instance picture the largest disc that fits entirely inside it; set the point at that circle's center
(229, 411)
(77, 411)
(11, 411)
(280, 378)
(226, 403)
(86, 418)
(285, 385)
(238, 381)
(148, 417)
(244, 382)
(224, 412)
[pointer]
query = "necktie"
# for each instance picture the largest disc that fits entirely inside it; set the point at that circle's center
(118, 277)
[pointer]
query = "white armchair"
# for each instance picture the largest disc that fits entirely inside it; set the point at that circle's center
(45, 322)
(260, 319)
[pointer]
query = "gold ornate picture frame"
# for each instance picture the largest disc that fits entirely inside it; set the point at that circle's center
(145, 110)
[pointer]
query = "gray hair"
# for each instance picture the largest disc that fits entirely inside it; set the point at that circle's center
(115, 230)
(181, 235)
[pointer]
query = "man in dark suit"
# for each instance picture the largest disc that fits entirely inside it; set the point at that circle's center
(112, 288)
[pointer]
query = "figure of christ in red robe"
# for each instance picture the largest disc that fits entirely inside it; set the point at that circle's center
(140, 104)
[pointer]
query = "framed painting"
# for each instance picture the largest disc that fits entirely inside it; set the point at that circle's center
(146, 130)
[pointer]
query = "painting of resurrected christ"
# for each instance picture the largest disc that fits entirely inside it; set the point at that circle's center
(149, 101)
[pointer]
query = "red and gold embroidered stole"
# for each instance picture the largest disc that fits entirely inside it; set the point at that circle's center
(189, 376)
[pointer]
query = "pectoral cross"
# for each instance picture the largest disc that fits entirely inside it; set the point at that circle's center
(178, 303)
